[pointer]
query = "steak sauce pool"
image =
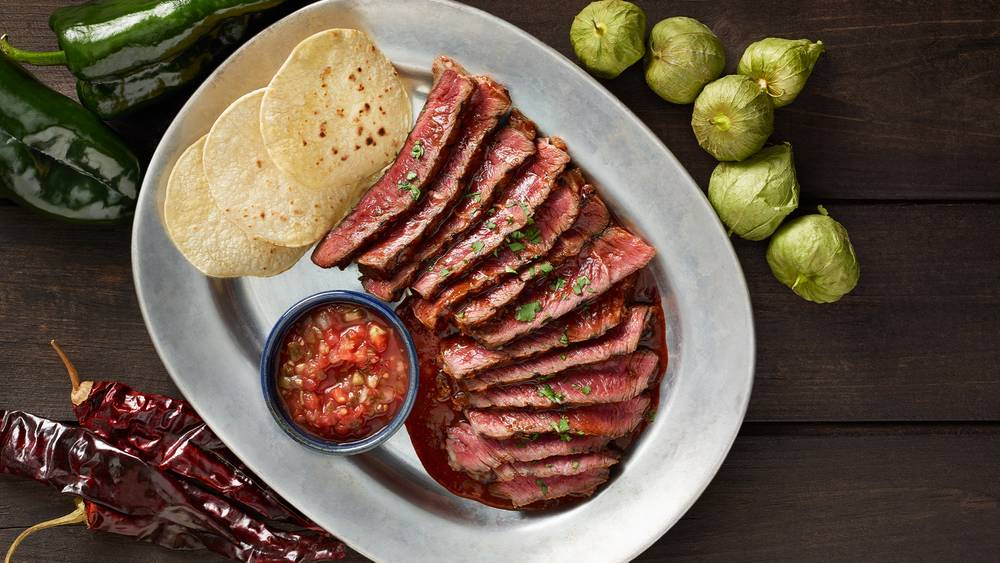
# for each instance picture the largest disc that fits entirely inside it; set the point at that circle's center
(436, 408)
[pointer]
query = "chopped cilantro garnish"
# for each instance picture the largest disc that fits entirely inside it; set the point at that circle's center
(575, 464)
(477, 246)
(418, 149)
(564, 339)
(585, 389)
(491, 224)
(650, 415)
(562, 357)
(580, 283)
(445, 272)
(510, 220)
(516, 235)
(509, 270)
(525, 209)
(476, 197)
(460, 315)
(542, 486)
(515, 246)
(545, 267)
(408, 187)
(528, 311)
(533, 235)
(562, 426)
(411, 175)
(547, 392)
(559, 284)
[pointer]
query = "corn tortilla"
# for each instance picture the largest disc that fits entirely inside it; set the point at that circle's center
(211, 244)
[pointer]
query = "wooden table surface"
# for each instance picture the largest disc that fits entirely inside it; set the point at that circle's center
(874, 426)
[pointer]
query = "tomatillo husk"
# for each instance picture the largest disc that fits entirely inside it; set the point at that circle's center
(682, 57)
(753, 196)
(814, 257)
(733, 117)
(608, 36)
(780, 66)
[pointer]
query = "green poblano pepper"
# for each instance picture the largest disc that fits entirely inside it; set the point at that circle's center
(608, 36)
(683, 56)
(58, 158)
(103, 41)
(117, 96)
(753, 196)
(781, 66)
(814, 257)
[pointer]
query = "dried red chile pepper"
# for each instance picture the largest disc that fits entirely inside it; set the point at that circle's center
(124, 495)
(168, 434)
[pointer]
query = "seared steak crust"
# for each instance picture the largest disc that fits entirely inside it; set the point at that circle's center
(436, 128)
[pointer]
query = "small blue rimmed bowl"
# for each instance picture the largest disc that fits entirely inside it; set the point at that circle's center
(269, 372)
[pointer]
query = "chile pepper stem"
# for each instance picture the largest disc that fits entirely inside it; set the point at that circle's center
(78, 516)
(37, 58)
(74, 376)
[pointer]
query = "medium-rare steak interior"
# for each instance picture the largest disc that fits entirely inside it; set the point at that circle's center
(538, 325)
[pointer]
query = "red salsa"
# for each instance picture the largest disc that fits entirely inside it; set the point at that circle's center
(342, 372)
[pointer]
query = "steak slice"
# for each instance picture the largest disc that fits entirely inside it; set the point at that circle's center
(551, 219)
(478, 455)
(508, 150)
(624, 339)
(592, 221)
(594, 218)
(398, 190)
(511, 213)
(488, 104)
(462, 356)
(522, 491)
(559, 466)
(613, 256)
(608, 419)
(615, 380)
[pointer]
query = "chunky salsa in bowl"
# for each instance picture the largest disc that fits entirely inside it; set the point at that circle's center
(339, 372)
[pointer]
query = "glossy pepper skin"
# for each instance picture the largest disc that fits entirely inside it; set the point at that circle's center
(129, 53)
(56, 157)
(107, 37)
(118, 95)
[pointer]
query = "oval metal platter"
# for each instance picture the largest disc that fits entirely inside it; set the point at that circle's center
(210, 332)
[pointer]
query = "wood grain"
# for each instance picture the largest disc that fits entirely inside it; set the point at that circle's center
(785, 493)
(901, 106)
(914, 341)
(901, 109)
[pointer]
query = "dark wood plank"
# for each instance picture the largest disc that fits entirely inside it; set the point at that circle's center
(23, 503)
(785, 493)
(915, 341)
(901, 106)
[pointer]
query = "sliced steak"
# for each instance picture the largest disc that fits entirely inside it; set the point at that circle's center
(482, 308)
(613, 256)
(524, 194)
(615, 380)
(551, 219)
(608, 419)
(462, 356)
(398, 190)
(592, 221)
(559, 466)
(523, 491)
(489, 103)
(594, 218)
(508, 150)
(624, 339)
(478, 455)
